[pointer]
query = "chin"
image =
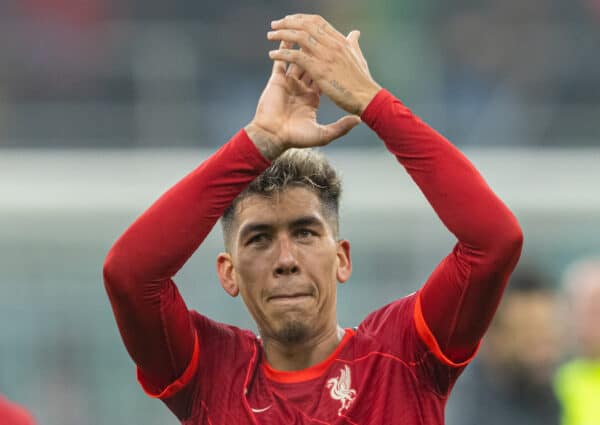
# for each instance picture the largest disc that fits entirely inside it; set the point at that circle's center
(293, 331)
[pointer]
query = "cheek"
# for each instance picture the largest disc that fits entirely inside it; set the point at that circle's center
(326, 266)
(251, 271)
(251, 262)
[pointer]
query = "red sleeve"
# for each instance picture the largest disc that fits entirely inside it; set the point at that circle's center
(460, 297)
(152, 317)
(13, 414)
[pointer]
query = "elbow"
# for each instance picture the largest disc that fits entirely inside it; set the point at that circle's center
(511, 242)
(114, 275)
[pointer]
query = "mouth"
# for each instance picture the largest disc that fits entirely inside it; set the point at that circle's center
(289, 298)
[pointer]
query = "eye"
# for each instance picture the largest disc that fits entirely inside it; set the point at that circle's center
(258, 239)
(305, 233)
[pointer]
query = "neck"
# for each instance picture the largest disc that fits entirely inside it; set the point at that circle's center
(291, 357)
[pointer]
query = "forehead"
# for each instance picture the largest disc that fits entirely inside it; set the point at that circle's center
(282, 205)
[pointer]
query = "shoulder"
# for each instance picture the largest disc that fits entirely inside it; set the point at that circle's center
(398, 315)
(215, 336)
(222, 358)
(391, 329)
(398, 329)
(574, 374)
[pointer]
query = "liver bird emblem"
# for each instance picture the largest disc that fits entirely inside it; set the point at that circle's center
(340, 389)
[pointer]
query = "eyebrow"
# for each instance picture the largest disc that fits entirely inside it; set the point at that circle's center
(308, 220)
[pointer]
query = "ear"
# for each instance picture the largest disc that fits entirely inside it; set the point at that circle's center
(225, 270)
(344, 268)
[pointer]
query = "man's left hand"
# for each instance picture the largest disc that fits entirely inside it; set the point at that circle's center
(334, 62)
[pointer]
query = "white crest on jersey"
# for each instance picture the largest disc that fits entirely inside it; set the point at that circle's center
(261, 410)
(340, 389)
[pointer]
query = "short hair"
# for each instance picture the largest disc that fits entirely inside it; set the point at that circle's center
(307, 168)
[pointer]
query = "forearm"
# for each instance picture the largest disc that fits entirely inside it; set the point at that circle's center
(451, 184)
(161, 240)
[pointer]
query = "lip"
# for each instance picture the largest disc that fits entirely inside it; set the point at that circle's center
(289, 298)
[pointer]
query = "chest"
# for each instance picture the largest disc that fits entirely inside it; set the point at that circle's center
(377, 389)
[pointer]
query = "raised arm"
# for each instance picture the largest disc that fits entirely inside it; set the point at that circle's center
(152, 317)
(456, 304)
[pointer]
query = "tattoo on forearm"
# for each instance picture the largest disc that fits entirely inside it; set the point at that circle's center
(336, 85)
(339, 87)
(269, 148)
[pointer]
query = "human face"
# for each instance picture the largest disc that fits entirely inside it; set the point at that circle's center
(286, 262)
(525, 319)
(586, 314)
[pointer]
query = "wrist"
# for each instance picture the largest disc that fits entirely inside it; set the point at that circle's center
(267, 143)
(367, 96)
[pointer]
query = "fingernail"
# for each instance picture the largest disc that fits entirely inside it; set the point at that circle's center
(270, 34)
(273, 23)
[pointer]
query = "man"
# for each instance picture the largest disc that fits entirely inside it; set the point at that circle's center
(577, 382)
(510, 382)
(284, 257)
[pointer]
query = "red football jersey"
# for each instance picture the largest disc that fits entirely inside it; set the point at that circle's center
(395, 368)
(383, 372)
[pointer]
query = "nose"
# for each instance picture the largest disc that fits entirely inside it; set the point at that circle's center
(287, 263)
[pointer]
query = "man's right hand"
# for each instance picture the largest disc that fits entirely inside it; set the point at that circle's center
(286, 115)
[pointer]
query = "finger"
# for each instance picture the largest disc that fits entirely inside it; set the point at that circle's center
(293, 56)
(306, 79)
(278, 65)
(339, 128)
(353, 39)
(315, 87)
(315, 25)
(300, 37)
(295, 71)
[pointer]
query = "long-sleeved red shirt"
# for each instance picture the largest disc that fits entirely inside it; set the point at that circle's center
(428, 337)
(12, 414)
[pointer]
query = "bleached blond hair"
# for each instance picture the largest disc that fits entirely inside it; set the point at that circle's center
(307, 168)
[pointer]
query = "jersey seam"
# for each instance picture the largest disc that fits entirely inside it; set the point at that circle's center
(164, 328)
(460, 302)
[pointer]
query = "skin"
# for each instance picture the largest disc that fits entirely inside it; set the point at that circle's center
(297, 331)
(585, 309)
(286, 263)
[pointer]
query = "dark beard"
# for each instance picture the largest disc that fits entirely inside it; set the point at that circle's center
(293, 332)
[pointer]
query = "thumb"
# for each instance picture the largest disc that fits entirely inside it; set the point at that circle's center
(339, 128)
(353, 37)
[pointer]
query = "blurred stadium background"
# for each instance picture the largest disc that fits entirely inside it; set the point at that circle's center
(105, 104)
